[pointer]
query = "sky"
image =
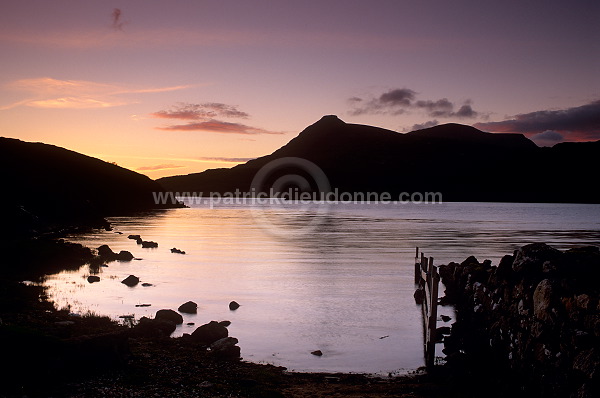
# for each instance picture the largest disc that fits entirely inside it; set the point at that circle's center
(177, 87)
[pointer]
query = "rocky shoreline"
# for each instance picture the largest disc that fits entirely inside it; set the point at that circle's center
(57, 353)
(532, 322)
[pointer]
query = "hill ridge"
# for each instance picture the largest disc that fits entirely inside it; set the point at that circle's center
(460, 161)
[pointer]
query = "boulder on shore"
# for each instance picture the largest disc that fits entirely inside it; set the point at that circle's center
(209, 333)
(189, 308)
(123, 255)
(131, 280)
(106, 254)
(225, 348)
(93, 278)
(147, 327)
(105, 251)
(170, 316)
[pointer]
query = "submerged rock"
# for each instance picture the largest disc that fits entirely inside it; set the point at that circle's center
(169, 315)
(105, 251)
(93, 278)
(131, 280)
(124, 255)
(317, 353)
(189, 308)
(149, 244)
(233, 306)
(209, 333)
(106, 254)
(176, 250)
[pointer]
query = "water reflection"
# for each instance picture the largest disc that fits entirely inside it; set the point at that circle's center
(338, 289)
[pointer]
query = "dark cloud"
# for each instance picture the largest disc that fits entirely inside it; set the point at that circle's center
(581, 123)
(439, 108)
(116, 19)
(203, 111)
(466, 111)
(217, 126)
(398, 97)
(401, 100)
(547, 138)
(421, 126)
(391, 102)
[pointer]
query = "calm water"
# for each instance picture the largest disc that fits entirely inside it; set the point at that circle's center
(343, 286)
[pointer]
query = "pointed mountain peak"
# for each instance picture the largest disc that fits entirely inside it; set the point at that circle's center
(329, 120)
(326, 126)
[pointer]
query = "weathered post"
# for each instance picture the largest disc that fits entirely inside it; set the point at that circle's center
(427, 280)
(432, 299)
(417, 268)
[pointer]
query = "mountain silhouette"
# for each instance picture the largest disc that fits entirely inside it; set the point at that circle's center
(45, 188)
(459, 161)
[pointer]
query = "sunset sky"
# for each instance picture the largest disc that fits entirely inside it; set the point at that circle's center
(175, 87)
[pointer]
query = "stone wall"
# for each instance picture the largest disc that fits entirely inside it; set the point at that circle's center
(532, 322)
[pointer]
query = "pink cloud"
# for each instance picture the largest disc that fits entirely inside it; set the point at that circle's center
(47, 92)
(159, 167)
(226, 159)
(217, 126)
(581, 123)
(206, 110)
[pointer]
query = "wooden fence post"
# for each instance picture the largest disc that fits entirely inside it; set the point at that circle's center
(428, 278)
(417, 267)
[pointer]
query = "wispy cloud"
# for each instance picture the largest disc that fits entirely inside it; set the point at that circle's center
(161, 37)
(74, 103)
(400, 100)
(202, 117)
(157, 167)
(187, 111)
(117, 23)
(226, 159)
(217, 126)
(47, 92)
(581, 123)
